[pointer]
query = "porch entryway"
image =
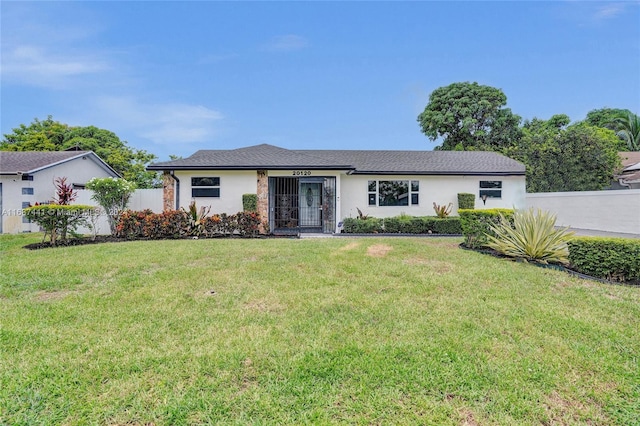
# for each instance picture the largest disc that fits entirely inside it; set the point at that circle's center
(301, 204)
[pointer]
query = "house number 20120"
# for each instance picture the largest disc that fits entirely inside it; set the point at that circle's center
(302, 173)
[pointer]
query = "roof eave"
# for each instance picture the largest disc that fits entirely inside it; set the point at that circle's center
(434, 173)
(262, 167)
(99, 161)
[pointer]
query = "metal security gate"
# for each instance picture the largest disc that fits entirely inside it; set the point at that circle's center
(283, 204)
(301, 204)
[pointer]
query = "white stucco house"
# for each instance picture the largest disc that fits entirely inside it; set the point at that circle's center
(28, 177)
(314, 190)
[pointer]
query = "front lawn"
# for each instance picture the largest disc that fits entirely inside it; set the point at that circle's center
(321, 331)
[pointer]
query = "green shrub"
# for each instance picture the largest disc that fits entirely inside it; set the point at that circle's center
(113, 195)
(616, 259)
(448, 226)
(370, 225)
(250, 202)
(403, 225)
(475, 224)
(60, 220)
(531, 235)
(466, 201)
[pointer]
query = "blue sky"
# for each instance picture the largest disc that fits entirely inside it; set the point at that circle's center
(174, 77)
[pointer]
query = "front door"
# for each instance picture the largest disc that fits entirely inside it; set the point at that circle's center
(310, 202)
(305, 204)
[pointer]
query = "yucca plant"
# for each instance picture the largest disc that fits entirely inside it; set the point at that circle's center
(442, 211)
(533, 236)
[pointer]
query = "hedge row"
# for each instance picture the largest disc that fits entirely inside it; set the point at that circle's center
(178, 224)
(476, 224)
(403, 225)
(615, 259)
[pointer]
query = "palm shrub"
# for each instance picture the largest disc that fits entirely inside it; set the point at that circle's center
(532, 236)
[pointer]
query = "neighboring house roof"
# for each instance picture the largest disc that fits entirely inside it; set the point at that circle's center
(354, 161)
(27, 162)
(630, 167)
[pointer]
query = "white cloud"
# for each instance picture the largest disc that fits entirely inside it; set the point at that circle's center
(162, 123)
(39, 66)
(39, 51)
(609, 10)
(286, 43)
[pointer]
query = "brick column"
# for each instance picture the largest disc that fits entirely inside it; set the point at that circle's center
(263, 198)
(168, 192)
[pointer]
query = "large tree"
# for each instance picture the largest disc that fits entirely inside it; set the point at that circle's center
(50, 135)
(562, 157)
(605, 117)
(625, 123)
(629, 130)
(469, 116)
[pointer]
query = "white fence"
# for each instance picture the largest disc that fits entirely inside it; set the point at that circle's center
(141, 199)
(609, 211)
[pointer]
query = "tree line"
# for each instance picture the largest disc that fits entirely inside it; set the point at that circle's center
(559, 155)
(51, 135)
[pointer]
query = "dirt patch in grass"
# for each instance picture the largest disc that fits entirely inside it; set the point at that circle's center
(468, 419)
(562, 411)
(378, 250)
(46, 296)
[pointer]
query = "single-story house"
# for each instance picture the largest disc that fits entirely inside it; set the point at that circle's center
(629, 177)
(314, 190)
(27, 177)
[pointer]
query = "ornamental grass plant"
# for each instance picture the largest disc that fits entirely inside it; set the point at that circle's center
(532, 237)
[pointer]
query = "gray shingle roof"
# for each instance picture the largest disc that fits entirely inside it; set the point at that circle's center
(14, 162)
(356, 161)
(427, 162)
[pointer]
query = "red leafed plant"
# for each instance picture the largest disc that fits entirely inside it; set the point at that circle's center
(65, 194)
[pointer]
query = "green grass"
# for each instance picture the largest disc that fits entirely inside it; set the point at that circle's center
(312, 331)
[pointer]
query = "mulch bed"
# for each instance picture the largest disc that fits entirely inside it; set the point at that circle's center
(76, 242)
(567, 269)
(100, 239)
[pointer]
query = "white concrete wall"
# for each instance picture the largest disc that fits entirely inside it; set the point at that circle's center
(141, 199)
(610, 211)
(232, 185)
(439, 189)
(78, 171)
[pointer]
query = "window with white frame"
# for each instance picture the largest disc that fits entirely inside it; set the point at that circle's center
(393, 192)
(205, 187)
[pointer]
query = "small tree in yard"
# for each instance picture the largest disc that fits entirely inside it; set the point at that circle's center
(112, 194)
(59, 217)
